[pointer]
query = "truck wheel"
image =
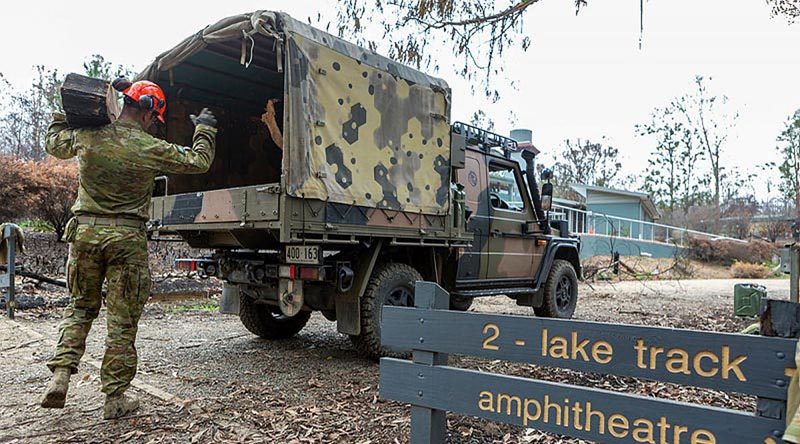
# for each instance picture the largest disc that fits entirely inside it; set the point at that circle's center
(391, 284)
(268, 322)
(460, 304)
(560, 292)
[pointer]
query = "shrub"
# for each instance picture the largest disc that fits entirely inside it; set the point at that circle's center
(38, 190)
(17, 188)
(745, 270)
(728, 251)
(57, 182)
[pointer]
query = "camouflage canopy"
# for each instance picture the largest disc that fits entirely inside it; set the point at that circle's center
(359, 128)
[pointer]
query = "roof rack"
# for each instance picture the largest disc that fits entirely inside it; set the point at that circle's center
(485, 140)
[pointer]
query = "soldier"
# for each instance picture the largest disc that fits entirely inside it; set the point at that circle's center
(118, 164)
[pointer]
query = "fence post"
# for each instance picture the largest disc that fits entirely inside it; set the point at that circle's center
(11, 236)
(794, 273)
(778, 319)
(429, 426)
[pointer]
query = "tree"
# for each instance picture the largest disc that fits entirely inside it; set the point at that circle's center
(790, 9)
(57, 188)
(17, 187)
(711, 120)
(585, 162)
(691, 133)
(97, 66)
(482, 120)
(480, 31)
(789, 168)
(738, 212)
(26, 115)
(42, 190)
(671, 176)
(774, 224)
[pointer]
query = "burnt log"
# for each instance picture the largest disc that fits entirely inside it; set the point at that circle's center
(88, 101)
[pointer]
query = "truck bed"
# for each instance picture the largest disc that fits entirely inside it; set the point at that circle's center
(247, 207)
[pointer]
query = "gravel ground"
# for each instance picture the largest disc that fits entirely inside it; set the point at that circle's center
(214, 382)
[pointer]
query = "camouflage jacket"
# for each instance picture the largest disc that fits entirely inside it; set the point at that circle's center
(119, 161)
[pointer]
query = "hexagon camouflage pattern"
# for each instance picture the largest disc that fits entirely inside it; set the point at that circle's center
(362, 135)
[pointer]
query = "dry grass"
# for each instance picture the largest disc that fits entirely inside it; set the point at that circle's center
(658, 268)
(746, 270)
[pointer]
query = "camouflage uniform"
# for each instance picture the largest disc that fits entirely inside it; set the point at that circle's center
(118, 165)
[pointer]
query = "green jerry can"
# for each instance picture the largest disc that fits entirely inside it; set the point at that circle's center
(747, 299)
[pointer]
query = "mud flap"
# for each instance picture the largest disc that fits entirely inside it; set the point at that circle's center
(229, 302)
(348, 316)
(348, 304)
(290, 296)
(531, 299)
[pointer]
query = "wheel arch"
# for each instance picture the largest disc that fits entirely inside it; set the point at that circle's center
(430, 262)
(556, 249)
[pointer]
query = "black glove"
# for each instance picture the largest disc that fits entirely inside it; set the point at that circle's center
(121, 84)
(206, 117)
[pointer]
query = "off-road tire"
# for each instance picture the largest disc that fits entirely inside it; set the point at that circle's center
(385, 280)
(267, 321)
(560, 292)
(460, 304)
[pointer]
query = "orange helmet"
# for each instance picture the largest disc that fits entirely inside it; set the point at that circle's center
(148, 96)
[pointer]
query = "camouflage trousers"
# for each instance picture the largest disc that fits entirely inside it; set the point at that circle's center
(117, 255)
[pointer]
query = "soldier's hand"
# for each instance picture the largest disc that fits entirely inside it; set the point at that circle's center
(206, 117)
(271, 106)
(121, 84)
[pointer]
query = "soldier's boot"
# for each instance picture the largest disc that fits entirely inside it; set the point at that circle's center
(118, 406)
(56, 394)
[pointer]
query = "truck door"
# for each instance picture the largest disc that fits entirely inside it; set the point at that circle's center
(473, 263)
(513, 254)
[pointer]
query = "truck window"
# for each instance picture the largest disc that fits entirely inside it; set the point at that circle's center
(504, 188)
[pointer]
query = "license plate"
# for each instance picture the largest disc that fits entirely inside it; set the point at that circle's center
(302, 254)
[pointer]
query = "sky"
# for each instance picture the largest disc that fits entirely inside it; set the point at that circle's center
(583, 77)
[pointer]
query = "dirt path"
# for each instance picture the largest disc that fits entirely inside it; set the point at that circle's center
(229, 386)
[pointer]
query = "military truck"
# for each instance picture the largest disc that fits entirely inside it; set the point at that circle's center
(371, 188)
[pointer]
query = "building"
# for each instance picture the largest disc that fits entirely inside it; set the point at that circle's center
(626, 206)
(612, 220)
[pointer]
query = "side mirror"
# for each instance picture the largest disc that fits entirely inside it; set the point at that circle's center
(547, 175)
(547, 196)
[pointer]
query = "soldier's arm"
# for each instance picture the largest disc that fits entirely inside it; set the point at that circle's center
(171, 158)
(60, 140)
(272, 124)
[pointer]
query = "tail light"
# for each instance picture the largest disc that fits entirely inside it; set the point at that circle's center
(186, 264)
(306, 273)
(287, 271)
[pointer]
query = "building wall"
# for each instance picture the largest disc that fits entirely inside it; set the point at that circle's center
(629, 210)
(613, 204)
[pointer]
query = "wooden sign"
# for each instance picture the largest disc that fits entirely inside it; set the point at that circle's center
(581, 412)
(730, 362)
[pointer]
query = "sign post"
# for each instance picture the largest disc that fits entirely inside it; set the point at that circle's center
(428, 425)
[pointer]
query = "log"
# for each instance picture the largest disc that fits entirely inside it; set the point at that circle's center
(88, 101)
